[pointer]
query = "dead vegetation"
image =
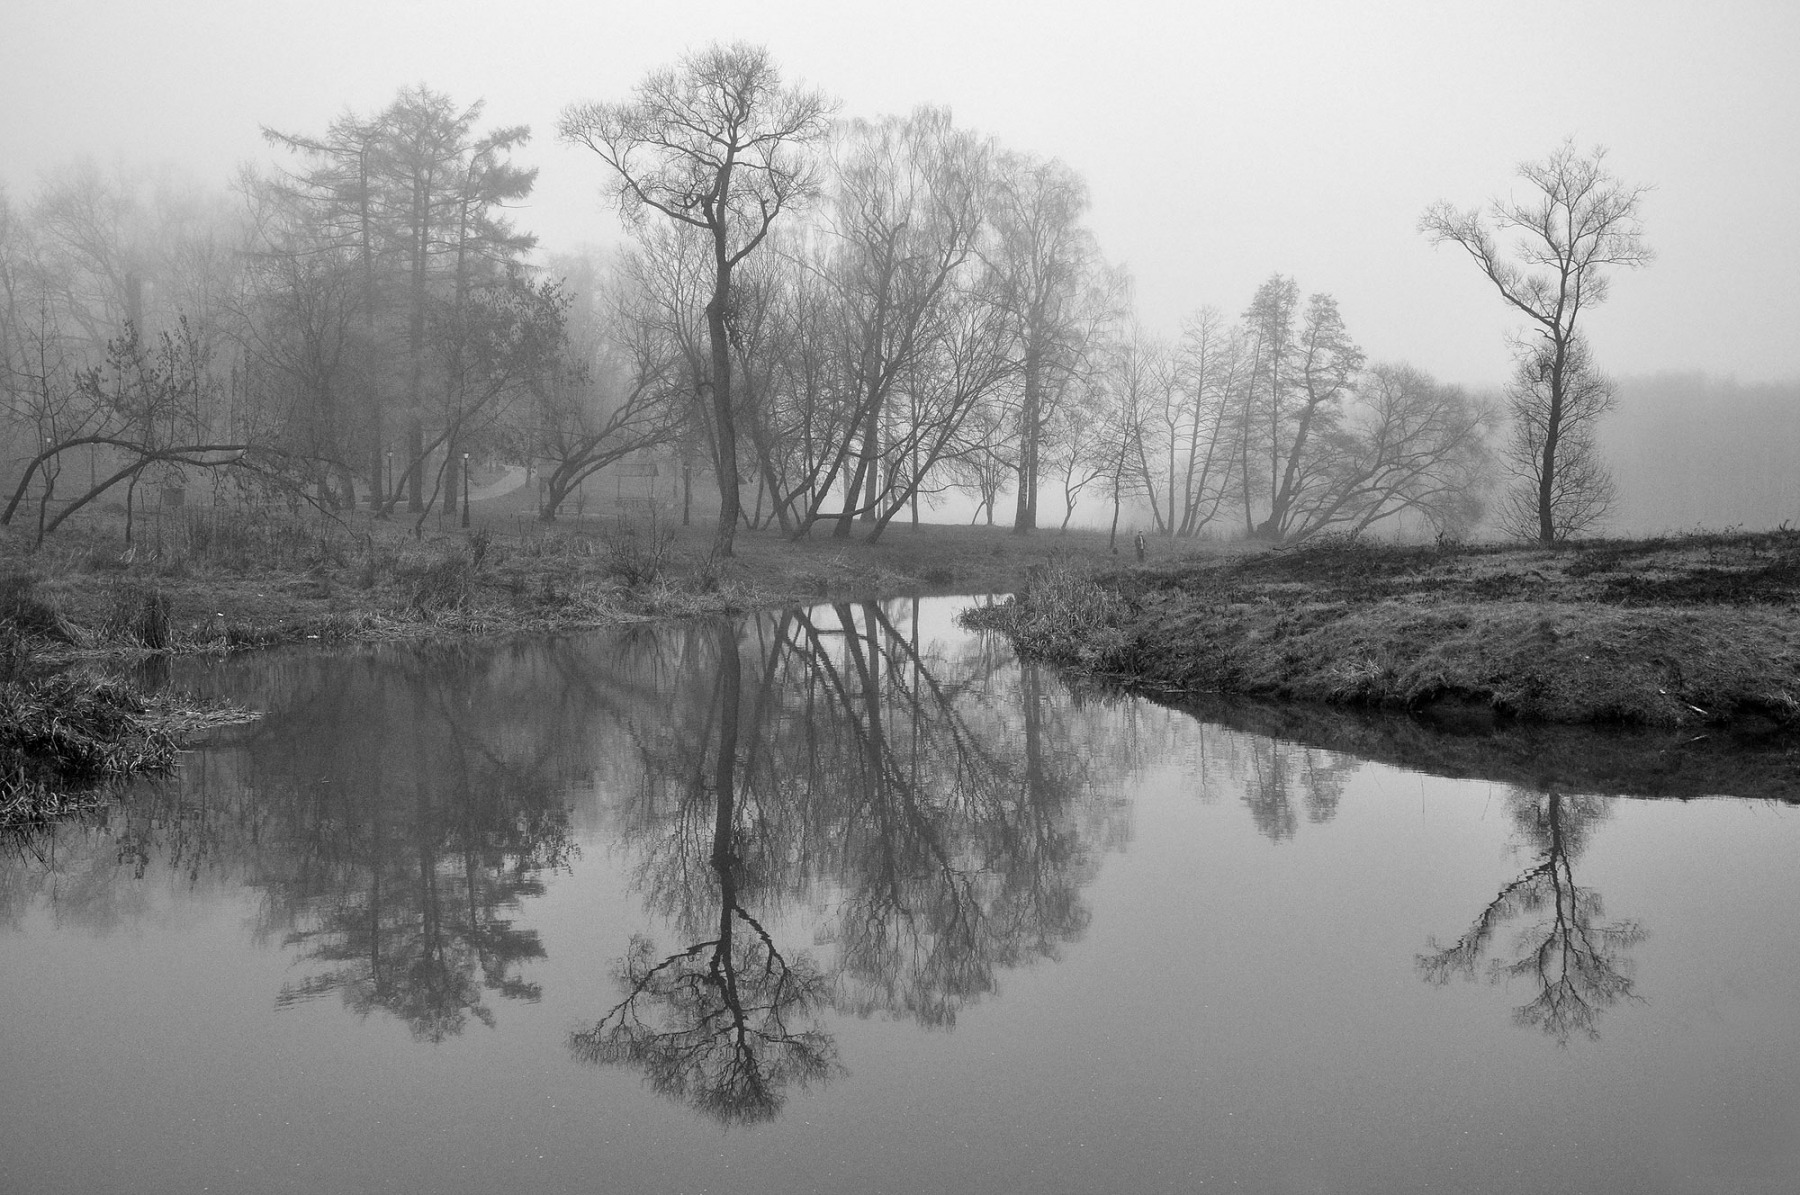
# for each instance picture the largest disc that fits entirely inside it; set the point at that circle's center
(67, 741)
(221, 580)
(218, 581)
(1672, 632)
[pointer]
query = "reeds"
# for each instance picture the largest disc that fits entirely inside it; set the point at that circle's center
(65, 739)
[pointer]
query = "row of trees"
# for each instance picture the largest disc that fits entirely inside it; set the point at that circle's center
(838, 320)
(942, 318)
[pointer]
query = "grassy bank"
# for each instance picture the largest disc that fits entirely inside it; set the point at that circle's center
(214, 581)
(222, 583)
(1675, 632)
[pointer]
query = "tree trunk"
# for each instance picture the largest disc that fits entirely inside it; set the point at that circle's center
(415, 445)
(1025, 518)
(872, 440)
(725, 428)
(1552, 434)
(452, 474)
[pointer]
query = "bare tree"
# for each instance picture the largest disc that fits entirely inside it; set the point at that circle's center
(616, 387)
(1326, 364)
(1208, 365)
(1581, 488)
(717, 143)
(1578, 222)
(899, 257)
(1043, 262)
(1268, 385)
(1406, 445)
(1137, 381)
(148, 407)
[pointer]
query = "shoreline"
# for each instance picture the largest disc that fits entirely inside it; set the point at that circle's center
(1693, 642)
(77, 614)
(1690, 632)
(91, 603)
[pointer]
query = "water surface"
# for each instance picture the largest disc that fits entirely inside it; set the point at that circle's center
(848, 899)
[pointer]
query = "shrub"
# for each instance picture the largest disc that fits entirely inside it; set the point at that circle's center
(439, 586)
(638, 560)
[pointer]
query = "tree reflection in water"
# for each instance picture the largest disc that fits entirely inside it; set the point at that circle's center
(391, 824)
(429, 831)
(1279, 776)
(1576, 965)
(712, 1024)
(926, 817)
(919, 821)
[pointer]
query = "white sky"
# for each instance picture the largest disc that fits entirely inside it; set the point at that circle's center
(1222, 141)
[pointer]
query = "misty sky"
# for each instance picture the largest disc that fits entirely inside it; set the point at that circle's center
(1222, 141)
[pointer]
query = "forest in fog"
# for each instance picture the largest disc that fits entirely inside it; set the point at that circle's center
(884, 318)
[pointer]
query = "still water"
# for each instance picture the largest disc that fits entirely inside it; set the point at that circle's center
(847, 899)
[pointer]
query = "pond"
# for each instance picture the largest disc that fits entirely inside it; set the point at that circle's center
(848, 899)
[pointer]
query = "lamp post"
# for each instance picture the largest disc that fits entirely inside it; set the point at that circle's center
(465, 518)
(388, 496)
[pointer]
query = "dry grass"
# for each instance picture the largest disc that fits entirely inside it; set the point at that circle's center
(216, 582)
(64, 740)
(1696, 630)
(224, 584)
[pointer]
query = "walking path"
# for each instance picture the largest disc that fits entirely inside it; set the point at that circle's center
(513, 479)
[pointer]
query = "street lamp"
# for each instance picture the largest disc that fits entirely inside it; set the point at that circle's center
(465, 521)
(390, 483)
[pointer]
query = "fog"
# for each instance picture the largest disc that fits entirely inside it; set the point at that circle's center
(1221, 143)
(1692, 451)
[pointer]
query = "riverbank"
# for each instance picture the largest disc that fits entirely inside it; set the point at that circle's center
(1689, 636)
(213, 584)
(1682, 632)
(243, 584)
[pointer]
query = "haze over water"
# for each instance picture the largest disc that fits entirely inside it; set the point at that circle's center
(847, 899)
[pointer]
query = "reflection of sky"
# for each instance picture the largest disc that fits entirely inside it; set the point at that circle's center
(1241, 1008)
